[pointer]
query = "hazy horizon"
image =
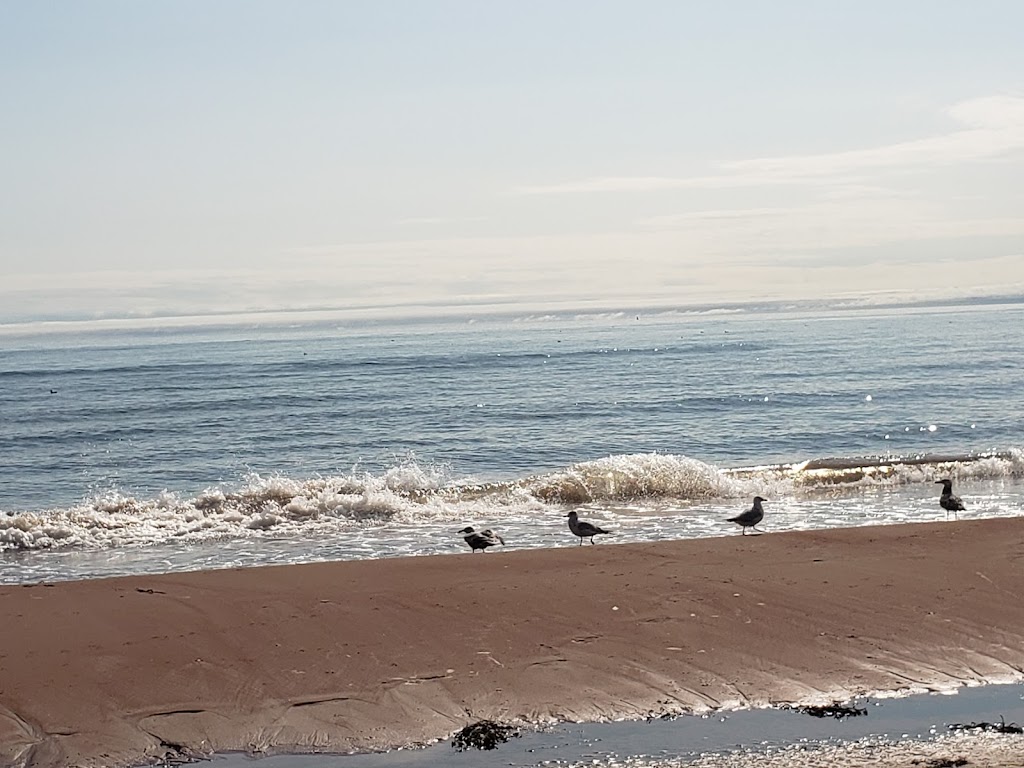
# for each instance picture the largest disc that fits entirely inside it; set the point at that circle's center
(177, 159)
(441, 314)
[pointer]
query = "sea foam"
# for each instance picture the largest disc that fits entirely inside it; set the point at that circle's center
(410, 494)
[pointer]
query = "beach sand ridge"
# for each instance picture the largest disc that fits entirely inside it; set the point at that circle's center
(364, 655)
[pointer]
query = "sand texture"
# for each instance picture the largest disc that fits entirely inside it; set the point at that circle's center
(370, 654)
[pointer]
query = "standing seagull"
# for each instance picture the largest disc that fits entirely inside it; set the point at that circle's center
(583, 529)
(751, 517)
(481, 539)
(948, 501)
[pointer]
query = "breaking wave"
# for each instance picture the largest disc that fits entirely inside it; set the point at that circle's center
(411, 494)
(890, 470)
(635, 477)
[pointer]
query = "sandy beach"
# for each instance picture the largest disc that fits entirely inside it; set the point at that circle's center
(370, 654)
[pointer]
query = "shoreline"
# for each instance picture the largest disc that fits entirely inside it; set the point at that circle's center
(887, 731)
(365, 655)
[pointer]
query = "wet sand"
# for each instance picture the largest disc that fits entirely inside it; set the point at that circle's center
(370, 654)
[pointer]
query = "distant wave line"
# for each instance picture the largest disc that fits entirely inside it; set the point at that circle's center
(863, 462)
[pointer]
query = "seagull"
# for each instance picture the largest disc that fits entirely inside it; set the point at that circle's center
(582, 529)
(948, 501)
(481, 540)
(751, 517)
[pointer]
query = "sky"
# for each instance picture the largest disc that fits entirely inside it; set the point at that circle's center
(193, 157)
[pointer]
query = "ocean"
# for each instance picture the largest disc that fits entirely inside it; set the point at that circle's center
(156, 449)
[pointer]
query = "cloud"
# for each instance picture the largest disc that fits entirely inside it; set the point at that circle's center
(855, 233)
(623, 184)
(417, 221)
(822, 226)
(652, 183)
(993, 126)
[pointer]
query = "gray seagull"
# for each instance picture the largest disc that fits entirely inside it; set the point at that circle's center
(481, 540)
(751, 517)
(948, 501)
(584, 529)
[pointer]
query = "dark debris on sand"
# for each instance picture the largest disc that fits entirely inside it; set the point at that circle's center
(483, 735)
(176, 755)
(665, 713)
(1001, 727)
(838, 711)
(942, 762)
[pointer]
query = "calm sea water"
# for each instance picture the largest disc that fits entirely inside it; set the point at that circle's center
(156, 450)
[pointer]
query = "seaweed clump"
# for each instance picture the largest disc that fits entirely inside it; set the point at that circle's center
(942, 762)
(665, 713)
(838, 711)
(1001, 727)
(176, 755)
(486, 734)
